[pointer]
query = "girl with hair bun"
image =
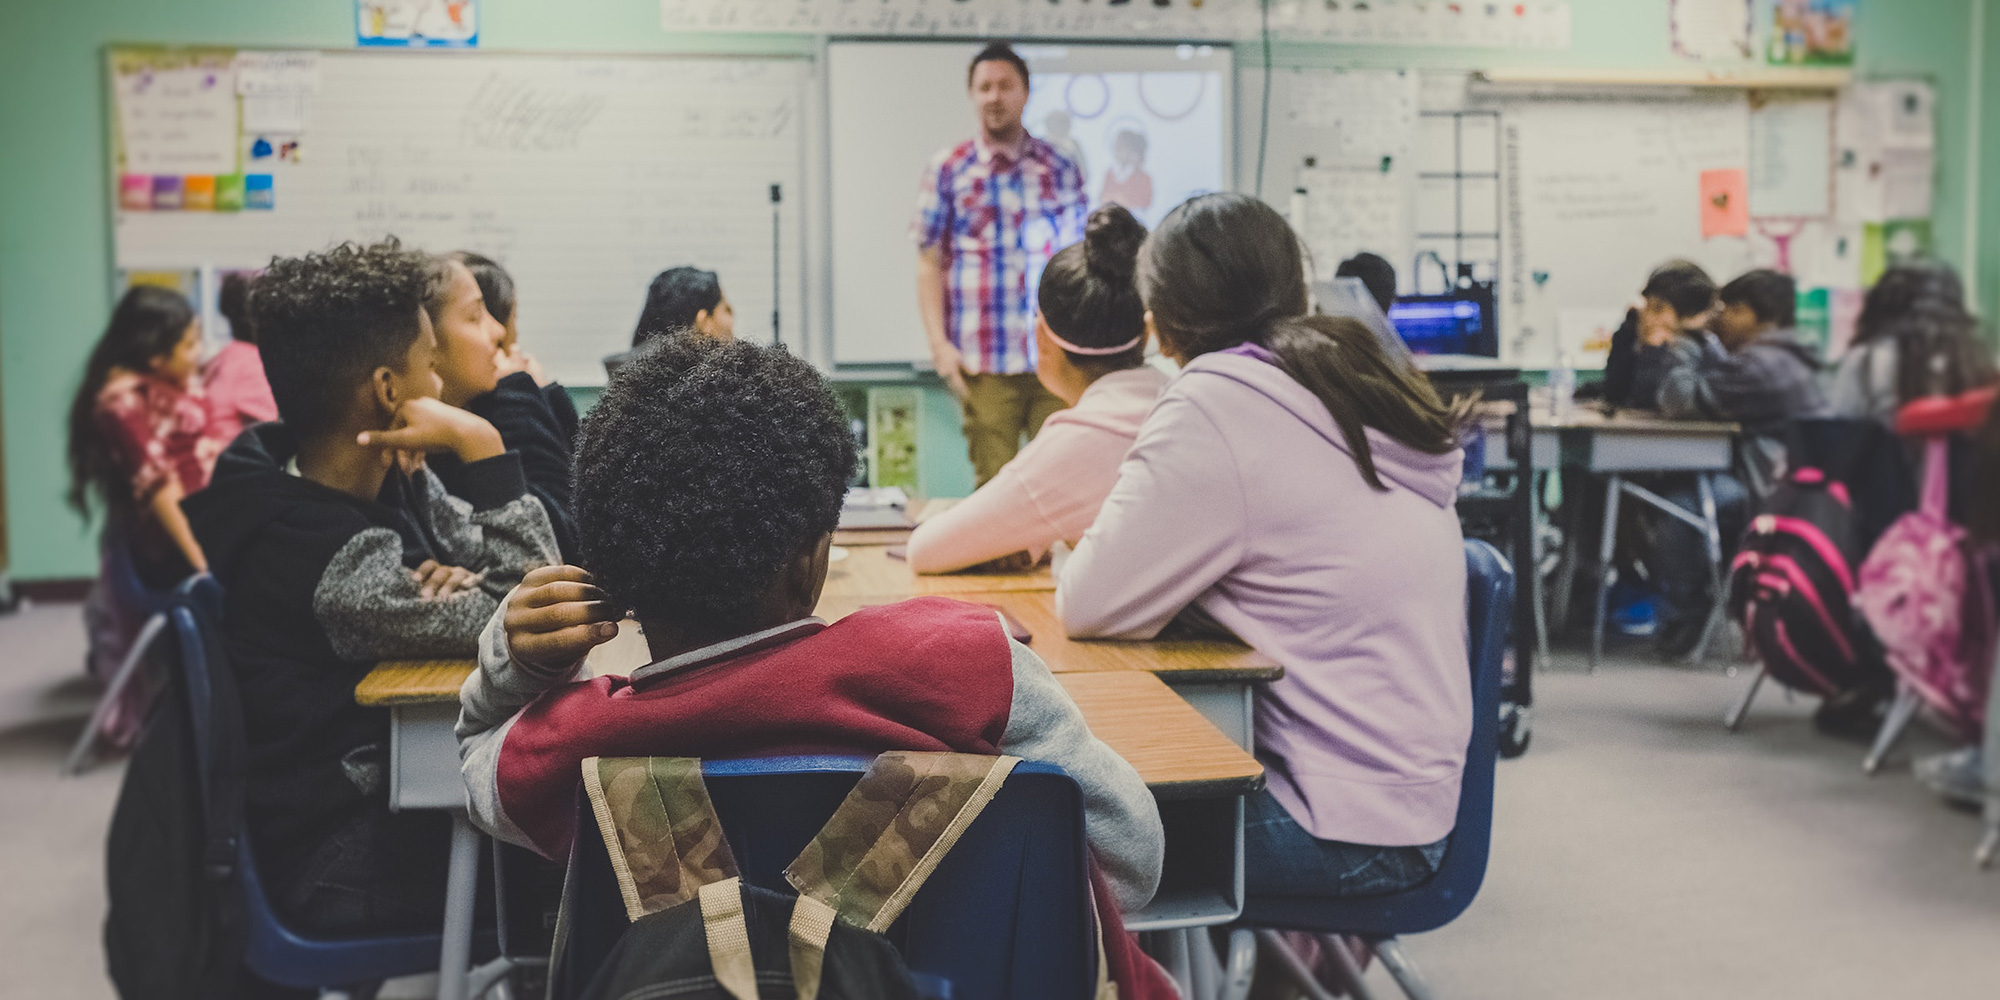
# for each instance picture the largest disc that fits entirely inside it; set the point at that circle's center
(1091, 334)
(1297, 485)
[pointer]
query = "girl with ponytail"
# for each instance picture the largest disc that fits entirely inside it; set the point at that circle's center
(1091, 336)
(1296, 485)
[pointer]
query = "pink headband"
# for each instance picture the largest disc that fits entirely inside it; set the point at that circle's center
(1097, 352)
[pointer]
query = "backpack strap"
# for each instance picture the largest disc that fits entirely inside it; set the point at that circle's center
(659, 828)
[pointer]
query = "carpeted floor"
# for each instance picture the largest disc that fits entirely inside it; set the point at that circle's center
(1640, 851)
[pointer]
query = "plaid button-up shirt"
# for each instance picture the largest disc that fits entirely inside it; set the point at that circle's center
(998, 219)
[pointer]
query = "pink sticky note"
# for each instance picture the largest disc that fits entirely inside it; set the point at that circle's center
(135, 192)
(1725, 203)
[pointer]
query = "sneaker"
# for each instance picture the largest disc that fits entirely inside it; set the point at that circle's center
(1958, 776)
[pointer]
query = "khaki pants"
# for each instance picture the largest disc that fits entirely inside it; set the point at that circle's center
(998, 410)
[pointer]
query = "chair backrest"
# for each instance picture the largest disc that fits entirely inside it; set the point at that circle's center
(1489, 598)
(1005, 916)
(273, 951)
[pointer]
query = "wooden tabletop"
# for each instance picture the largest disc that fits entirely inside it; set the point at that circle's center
(1187, 661)
(870, 572)
(1179, 753)
(1588, 416)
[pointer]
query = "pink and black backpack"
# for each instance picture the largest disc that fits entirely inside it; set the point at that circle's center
(1792, 588)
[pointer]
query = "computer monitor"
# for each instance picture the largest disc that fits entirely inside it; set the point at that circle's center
(1460, 322)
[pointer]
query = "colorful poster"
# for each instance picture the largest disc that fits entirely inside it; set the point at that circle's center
(416, 23)
(1812, 33)
(1725, 203)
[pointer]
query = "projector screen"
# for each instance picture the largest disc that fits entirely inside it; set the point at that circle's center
(1149, 126)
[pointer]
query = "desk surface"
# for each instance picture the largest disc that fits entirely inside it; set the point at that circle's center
(869, 572)
(1178, 752)
(1186, 661)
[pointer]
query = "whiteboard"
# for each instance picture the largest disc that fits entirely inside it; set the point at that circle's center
(583, 175)
(1180, 98)
(1598, 194)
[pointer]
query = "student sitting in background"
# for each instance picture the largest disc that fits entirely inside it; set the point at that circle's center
(709, 481)
(138, 443)
(1914, 339)
(1377, 274)
(480, 374)
(1751, 370)
(238, 395)
(336, 548)
(1297, 486)
(1092, 339)
(1679, 300)
(496, 287)
(681, 298)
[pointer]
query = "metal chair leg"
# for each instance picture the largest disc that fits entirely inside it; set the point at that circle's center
(1734, 720)
(1242, 967)
(1390, 951)
(1202, 963)
(1712, 538)
(1350, 967)
(86, 742)
(1606, 549)
(1989, 846)
(1295, 967)
(1892, 729)
(1172, 954)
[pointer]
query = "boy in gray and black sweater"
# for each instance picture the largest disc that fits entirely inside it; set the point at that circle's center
(336, 549)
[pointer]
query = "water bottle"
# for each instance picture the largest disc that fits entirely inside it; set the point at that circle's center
(1562, 388)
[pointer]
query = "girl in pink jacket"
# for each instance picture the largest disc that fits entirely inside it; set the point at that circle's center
(1296, 485)
(1091, 340)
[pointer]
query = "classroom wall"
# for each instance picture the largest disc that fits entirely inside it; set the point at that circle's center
(55, 276)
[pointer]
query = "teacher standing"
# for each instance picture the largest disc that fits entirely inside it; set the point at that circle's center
(990, 214)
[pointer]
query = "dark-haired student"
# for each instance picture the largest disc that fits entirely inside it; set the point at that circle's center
(482, 375)
(497, 289)
(238, 394)
(1376, 274)
(680, 299)
(1914, 338)
(1091, 354)
(1297, 486)
(1677, 302)
(709, 482)
(335, 549)
(138, 443)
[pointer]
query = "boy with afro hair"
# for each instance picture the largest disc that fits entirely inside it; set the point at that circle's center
(336, 548)
(709, 481)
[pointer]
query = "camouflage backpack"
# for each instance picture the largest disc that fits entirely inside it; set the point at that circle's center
(699, 932)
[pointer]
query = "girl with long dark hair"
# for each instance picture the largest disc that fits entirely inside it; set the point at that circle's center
(1914, 338)
(1296, 485)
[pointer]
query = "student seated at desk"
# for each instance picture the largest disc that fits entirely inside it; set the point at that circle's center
(238, 396)
(335, 548)
(680, 299)
(485, 374)
(1297, 486)
(709, 481)
(1914, 338)
(1092, 354)
(1678, 301)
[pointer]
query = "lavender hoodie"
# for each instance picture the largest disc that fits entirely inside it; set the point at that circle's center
(1240, 495)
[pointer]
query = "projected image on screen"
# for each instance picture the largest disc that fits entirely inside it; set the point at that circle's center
(1147, 139)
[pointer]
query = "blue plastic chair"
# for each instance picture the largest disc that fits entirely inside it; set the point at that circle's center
(1006, 916)
(277, 954)
(1380, 919)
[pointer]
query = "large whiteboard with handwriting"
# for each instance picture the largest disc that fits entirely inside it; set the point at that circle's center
(583, 175)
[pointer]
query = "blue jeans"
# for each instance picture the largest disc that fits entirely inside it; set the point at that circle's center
(1282, 859)
(1678, 554)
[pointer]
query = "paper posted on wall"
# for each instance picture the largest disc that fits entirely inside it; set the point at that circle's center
(277, 89)
(1710, 29)
(1886, 151)
(177, 121)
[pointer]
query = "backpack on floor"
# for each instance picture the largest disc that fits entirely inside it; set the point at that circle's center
(1792, 584)
(699, 932)
(1923, 592)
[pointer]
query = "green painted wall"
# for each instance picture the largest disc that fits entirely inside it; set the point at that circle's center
(1989, 172)
(54, 228)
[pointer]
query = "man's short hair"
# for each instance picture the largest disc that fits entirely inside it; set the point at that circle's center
(1774, 297)
(1683, 285)
(326, 321)
(998, 52)
(1376, 274)
(707, 466)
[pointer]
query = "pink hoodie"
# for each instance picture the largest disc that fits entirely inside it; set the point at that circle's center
(1051, 491)
(1241, 496)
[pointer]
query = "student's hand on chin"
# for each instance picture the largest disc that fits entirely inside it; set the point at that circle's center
(514, 359)
(556, 617)
(426, 424)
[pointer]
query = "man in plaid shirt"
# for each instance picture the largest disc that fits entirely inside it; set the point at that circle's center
(990, 213)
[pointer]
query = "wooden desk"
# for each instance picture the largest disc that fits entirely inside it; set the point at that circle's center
(868, 571)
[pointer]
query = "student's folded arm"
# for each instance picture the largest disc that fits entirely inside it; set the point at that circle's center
(497, 527)
(369, 604)
(998, 519)
(1119, 814)
(487, 704)
(1684, 389)
(1171, 528)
